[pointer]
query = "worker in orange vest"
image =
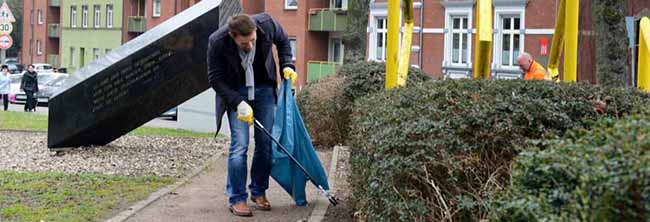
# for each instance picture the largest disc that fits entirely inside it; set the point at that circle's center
(532, 69)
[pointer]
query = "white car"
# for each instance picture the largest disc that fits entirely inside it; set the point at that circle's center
(43, 68)
(14, 87)
(46, 82)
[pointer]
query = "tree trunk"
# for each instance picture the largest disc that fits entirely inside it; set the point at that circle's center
(612, 45)
(354, 38)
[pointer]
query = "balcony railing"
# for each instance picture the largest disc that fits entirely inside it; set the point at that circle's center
(137, 24)
(53, 30)
(54, 3)
(53, 59)
(317, 70)
(328, 20)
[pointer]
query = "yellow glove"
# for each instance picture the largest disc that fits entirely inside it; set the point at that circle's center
(289, 73)
(245, 113)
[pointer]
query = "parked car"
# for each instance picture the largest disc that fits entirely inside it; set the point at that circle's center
(15, 87)
(47, 90)
(172, 114)
(62, 70)
(15, 68)
(43, 68)
(11, 61)
(48, 83)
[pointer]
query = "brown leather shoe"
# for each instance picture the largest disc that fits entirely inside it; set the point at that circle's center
(241, 209)
(261, 203)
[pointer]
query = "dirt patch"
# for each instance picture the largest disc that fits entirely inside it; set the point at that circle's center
(344, 211)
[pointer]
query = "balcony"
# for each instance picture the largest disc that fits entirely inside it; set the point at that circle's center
(317, 70)
(137, 24)
(54, 3)
(53, 59)
(53, 30)
(328, 20)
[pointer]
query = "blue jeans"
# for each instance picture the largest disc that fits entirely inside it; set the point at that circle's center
(264, 112)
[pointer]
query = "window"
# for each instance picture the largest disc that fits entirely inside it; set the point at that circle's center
(343, 4)
(40, 17)
(459, 40)
(336, 50)
(380, 45)
(73, 16)
(31, 17)
(96, 18)
(95, 53)
(156, 8)
(509, 25)
(292, 43)
(458, 37)
(457, 52)
(82, 54)
(72, 57)
(291, 4)
(510, 40)
(31, 46)
(39, 48)
(84, 16)
(109, 16)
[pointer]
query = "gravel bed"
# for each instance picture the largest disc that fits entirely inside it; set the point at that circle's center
(128, 155)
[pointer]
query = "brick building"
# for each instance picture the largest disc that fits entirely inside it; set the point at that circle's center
(72, 33)
(314, 28)
(443, 38)
(41, 31)
(142, 15)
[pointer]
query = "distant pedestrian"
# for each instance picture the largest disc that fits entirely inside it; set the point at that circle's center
(532, 69)
(29, 84)
(5, 86)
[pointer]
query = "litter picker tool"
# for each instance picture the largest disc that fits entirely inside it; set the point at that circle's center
(325, 193)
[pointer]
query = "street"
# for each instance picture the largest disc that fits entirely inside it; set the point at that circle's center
(157, 122)
(20, 108)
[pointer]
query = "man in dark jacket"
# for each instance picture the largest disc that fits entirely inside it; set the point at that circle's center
(242, 72)
(29, 84)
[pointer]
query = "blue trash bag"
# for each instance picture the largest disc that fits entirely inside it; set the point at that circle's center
(290, 131)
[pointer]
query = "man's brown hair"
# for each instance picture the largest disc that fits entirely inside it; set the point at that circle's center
(241, 25)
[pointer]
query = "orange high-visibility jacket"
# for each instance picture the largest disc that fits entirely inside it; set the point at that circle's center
(537, 72)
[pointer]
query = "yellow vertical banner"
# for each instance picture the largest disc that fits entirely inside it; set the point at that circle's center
(407, 37)
(392, 43)
(571, 41)
(483, 51)
(565, 38)
(643, 74)
(558, 42)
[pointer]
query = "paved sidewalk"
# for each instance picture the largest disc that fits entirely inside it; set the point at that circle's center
(203, 199)
(42, 110)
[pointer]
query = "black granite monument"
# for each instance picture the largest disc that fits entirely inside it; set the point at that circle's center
(138, 81)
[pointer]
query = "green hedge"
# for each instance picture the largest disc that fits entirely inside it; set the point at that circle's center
(598, 175)
(436, 150)
(361, 80)
(326, 105)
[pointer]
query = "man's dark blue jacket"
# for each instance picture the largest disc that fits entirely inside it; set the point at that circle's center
(225, 73)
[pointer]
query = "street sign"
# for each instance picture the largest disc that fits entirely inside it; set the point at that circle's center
(6, 41)
(6, 28)
(5, 14)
